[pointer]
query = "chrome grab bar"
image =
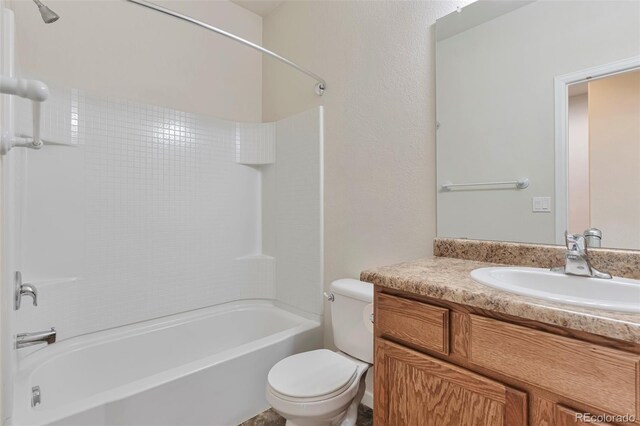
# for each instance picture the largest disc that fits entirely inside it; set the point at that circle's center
(520, 184)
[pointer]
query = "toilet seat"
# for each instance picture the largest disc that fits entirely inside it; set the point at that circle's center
(312, 376)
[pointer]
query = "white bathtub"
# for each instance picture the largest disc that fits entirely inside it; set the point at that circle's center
(205, 367)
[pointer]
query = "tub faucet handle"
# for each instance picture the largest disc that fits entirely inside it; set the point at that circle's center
(24, 290)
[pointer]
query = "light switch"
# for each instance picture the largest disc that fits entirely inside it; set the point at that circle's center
(541, 205)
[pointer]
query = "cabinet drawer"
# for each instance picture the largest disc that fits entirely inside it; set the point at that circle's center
(412, 322)
(599, 377)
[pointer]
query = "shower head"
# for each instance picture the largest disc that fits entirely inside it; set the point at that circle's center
(48, 15)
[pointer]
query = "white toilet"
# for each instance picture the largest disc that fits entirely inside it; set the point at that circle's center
(323, 387)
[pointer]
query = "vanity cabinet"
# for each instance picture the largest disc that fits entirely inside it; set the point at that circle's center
(416, 389)
(567, 417)
(439, 363)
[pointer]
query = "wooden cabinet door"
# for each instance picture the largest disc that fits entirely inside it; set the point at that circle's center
(413, 389)
(568, 417)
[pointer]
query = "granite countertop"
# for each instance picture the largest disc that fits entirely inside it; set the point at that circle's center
(448, 279)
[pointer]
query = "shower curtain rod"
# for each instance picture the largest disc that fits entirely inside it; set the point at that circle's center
(320, 86)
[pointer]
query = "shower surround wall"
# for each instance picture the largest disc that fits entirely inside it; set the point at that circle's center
(147, 211)
(292, 211)
(108, 48)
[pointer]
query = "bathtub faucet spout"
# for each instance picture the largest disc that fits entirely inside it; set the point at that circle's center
(29, 339)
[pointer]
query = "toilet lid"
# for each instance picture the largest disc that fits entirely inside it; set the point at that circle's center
(312, 374)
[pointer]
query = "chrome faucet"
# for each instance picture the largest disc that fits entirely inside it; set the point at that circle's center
(593, 237)
(577, 259)
(24, 290)
(29, 339)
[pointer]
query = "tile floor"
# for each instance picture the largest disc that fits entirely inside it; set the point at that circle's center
(271, 418)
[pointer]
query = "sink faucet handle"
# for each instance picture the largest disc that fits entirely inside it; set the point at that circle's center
(577, 258)
(575, 242)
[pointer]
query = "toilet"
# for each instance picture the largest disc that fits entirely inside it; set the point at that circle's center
(323, 387)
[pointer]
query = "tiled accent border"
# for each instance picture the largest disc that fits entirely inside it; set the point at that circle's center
(622, 263)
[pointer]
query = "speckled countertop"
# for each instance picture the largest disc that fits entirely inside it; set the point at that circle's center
(448, 279)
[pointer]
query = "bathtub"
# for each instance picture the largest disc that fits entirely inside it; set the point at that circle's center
(205, 367)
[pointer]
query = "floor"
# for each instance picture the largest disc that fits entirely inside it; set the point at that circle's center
(271, 418)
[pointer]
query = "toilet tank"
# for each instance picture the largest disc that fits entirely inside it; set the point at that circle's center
(351, 314)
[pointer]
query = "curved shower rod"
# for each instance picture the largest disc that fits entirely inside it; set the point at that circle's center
(320, 86)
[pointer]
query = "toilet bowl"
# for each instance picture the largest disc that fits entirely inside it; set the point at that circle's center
(317, 388)
(323, 387)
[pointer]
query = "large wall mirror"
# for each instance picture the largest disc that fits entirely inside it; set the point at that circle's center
(538, 109)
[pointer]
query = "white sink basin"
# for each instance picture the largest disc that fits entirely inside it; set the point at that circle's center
(616, 294)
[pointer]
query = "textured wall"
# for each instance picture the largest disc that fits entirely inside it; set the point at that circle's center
(379, 132)
(116, 48)
(377, 58)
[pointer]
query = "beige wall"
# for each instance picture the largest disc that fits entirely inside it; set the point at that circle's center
(115, 48)
(378, 60)
(614, 142)
(578, 167)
